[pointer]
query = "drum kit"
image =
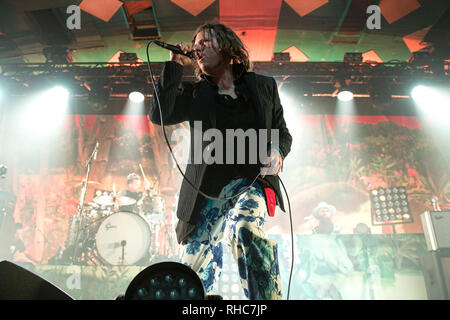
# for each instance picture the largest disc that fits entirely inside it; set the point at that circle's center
(103, 234)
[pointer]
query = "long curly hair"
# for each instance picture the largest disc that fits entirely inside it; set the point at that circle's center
(230, 44)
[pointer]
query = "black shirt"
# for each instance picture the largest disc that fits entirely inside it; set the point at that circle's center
(238, 113)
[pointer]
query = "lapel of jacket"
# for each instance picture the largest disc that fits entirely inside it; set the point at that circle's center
(208, 103)
(250, 79)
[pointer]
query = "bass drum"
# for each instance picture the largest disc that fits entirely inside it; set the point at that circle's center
(123, 238)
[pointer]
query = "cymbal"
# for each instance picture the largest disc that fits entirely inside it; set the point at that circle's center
(125, 201)
(104, 200)
(109, 201)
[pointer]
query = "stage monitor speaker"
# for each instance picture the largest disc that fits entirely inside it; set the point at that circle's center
(436, 226)
(17, 283)
(436, 271)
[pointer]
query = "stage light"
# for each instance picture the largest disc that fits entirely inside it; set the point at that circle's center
(52, 101)
(345, 95)
(45, 111)
(390, 206)
(429, 96)
(433, 101)
(136, 97)
(343, 88)
(166, 281)
(419, 93)
(58, 93)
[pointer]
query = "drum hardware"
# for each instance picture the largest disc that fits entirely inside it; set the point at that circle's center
(77, 254)
(123, 243)
(80, 183)
(80, 237)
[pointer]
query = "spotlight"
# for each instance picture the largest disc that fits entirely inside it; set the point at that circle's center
(432, 100)
(420, 93)
(345, 95)
(342, 88)
(59, 93)
(46, 110)
(166, 281)
(136, 97)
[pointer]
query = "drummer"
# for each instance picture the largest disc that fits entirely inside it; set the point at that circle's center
(134, 192)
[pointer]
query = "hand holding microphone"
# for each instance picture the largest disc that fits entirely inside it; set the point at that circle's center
(180, 53)
(182, 59)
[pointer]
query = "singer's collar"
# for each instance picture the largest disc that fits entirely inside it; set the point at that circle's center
(238, 71)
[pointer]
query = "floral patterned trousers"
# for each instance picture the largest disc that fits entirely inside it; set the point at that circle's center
(239, 223)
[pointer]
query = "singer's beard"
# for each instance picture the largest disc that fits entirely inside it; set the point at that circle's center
(212, 70)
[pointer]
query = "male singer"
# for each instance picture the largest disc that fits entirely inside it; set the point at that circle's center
(225, 96)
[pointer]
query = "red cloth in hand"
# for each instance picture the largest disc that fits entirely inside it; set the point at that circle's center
(271, 201)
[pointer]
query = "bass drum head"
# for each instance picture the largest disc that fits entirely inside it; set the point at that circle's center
(123, 238)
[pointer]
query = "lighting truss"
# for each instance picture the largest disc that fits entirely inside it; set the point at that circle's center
(320, 75)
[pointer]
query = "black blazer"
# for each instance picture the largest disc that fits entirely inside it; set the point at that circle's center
(188, 101)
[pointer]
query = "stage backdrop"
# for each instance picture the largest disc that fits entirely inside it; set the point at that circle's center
(335, 162)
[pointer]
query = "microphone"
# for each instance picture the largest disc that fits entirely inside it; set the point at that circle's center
(96, 151)
(174, 49)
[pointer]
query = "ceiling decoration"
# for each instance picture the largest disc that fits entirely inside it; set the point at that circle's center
(296, 54)
(313, 30)
(371, 56)
(414, 41)
(393, 10)
(102, 9)
(193, 7)
(305, 7)
(256, 25)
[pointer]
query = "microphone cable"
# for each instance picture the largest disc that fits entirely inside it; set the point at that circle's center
(156, 95)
